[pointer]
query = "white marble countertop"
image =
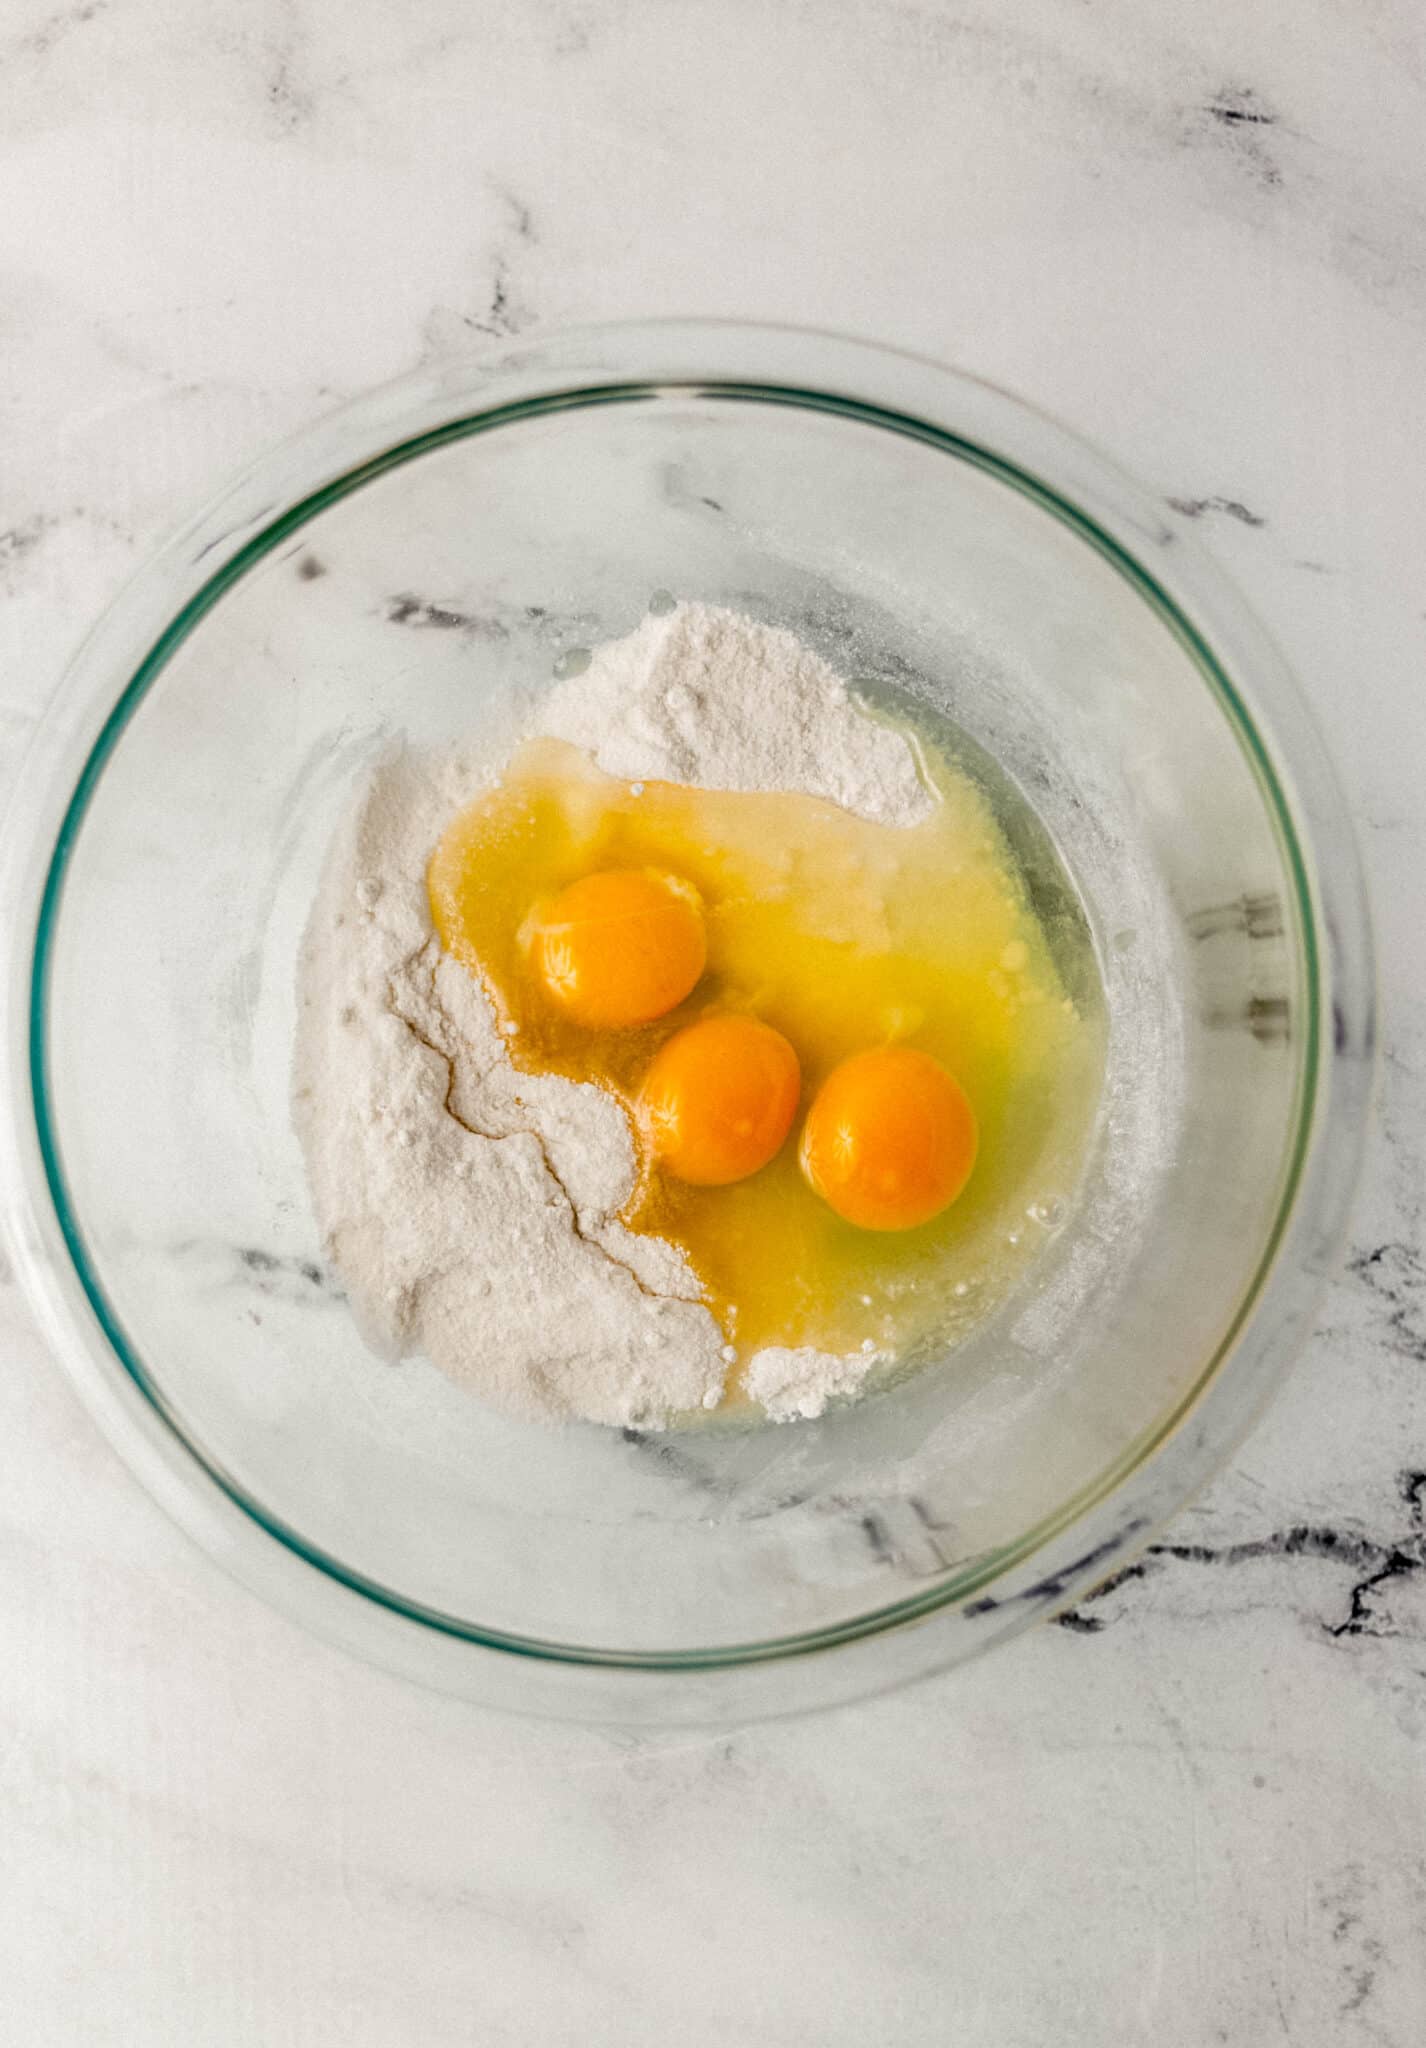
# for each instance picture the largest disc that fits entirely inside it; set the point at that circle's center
(1198, 1815)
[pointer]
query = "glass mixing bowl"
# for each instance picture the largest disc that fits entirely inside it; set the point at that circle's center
(417, 564)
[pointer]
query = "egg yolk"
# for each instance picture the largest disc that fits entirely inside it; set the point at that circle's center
(890, 1139)
(620, 947)
(718, 1100)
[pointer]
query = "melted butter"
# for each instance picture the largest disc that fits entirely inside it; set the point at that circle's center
(843, 934)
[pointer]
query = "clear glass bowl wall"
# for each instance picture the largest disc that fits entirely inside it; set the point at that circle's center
(423, 586)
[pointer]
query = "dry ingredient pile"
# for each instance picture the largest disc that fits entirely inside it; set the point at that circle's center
(519, 1194)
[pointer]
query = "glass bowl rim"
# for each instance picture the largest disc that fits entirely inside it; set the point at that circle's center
(676, 346)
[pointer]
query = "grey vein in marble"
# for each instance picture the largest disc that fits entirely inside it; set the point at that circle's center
(1371, 1562)
(1231, 508)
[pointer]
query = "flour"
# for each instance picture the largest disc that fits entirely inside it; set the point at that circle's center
(793, 1384)
(708, 698)
(471, 1209)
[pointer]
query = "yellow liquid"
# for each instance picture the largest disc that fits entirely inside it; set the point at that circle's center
(843, 935)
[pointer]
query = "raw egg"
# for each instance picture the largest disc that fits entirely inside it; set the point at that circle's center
(718, 1100)
(690, 950)
(890, 1140)
(619, 947)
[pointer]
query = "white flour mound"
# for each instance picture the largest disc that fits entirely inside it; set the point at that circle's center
(705, 697)
(472, 1210)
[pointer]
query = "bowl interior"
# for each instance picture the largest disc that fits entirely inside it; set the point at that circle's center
(429, 594)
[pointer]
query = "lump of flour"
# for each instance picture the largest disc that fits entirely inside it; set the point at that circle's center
(471, 1209)
(792, 1383)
